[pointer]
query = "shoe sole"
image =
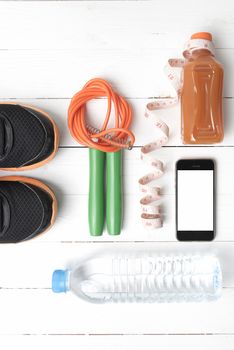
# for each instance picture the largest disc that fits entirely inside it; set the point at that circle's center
(37, 183)
(56, 140)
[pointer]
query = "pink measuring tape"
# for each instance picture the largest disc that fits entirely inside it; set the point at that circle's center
(151, 215)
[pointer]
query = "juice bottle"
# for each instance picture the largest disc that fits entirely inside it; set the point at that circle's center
(201, 94)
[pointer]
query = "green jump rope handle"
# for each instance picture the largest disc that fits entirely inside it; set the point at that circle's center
(114, 192)
(96, 191)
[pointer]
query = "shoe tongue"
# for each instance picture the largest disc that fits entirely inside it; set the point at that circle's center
(5, 215)
(6, 136)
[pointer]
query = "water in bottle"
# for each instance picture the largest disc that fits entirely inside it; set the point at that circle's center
(143, 279)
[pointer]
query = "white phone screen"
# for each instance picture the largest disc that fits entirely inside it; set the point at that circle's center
(195, 202)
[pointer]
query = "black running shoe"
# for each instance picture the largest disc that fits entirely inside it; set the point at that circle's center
(27, 208)
(28, 137)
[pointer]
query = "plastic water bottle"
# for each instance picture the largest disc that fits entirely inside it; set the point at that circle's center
(143, 279)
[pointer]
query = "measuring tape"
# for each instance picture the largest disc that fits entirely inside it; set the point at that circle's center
(151, 215)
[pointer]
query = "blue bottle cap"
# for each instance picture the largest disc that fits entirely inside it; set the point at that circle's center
(59, 281)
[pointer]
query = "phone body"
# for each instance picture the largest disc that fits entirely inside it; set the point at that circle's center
(195, 200)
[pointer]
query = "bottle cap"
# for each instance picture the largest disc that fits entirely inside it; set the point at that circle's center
(202, 35)
(59, 281)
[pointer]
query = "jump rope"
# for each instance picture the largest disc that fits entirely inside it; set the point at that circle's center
(106, 144)
(105, 147)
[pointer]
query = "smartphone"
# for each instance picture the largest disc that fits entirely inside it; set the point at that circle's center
(195, 200)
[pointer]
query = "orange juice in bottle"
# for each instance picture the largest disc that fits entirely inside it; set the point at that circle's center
(201, 94)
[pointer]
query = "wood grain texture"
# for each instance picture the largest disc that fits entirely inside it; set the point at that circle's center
(68, 175)
(112, 24)
(48, 50)
(61, 73)
(116, 342)
(144, 129)
(42, 312)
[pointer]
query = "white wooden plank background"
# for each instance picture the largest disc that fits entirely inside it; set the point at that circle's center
(48, 50)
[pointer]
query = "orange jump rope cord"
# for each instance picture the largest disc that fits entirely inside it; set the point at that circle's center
(107, 140)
